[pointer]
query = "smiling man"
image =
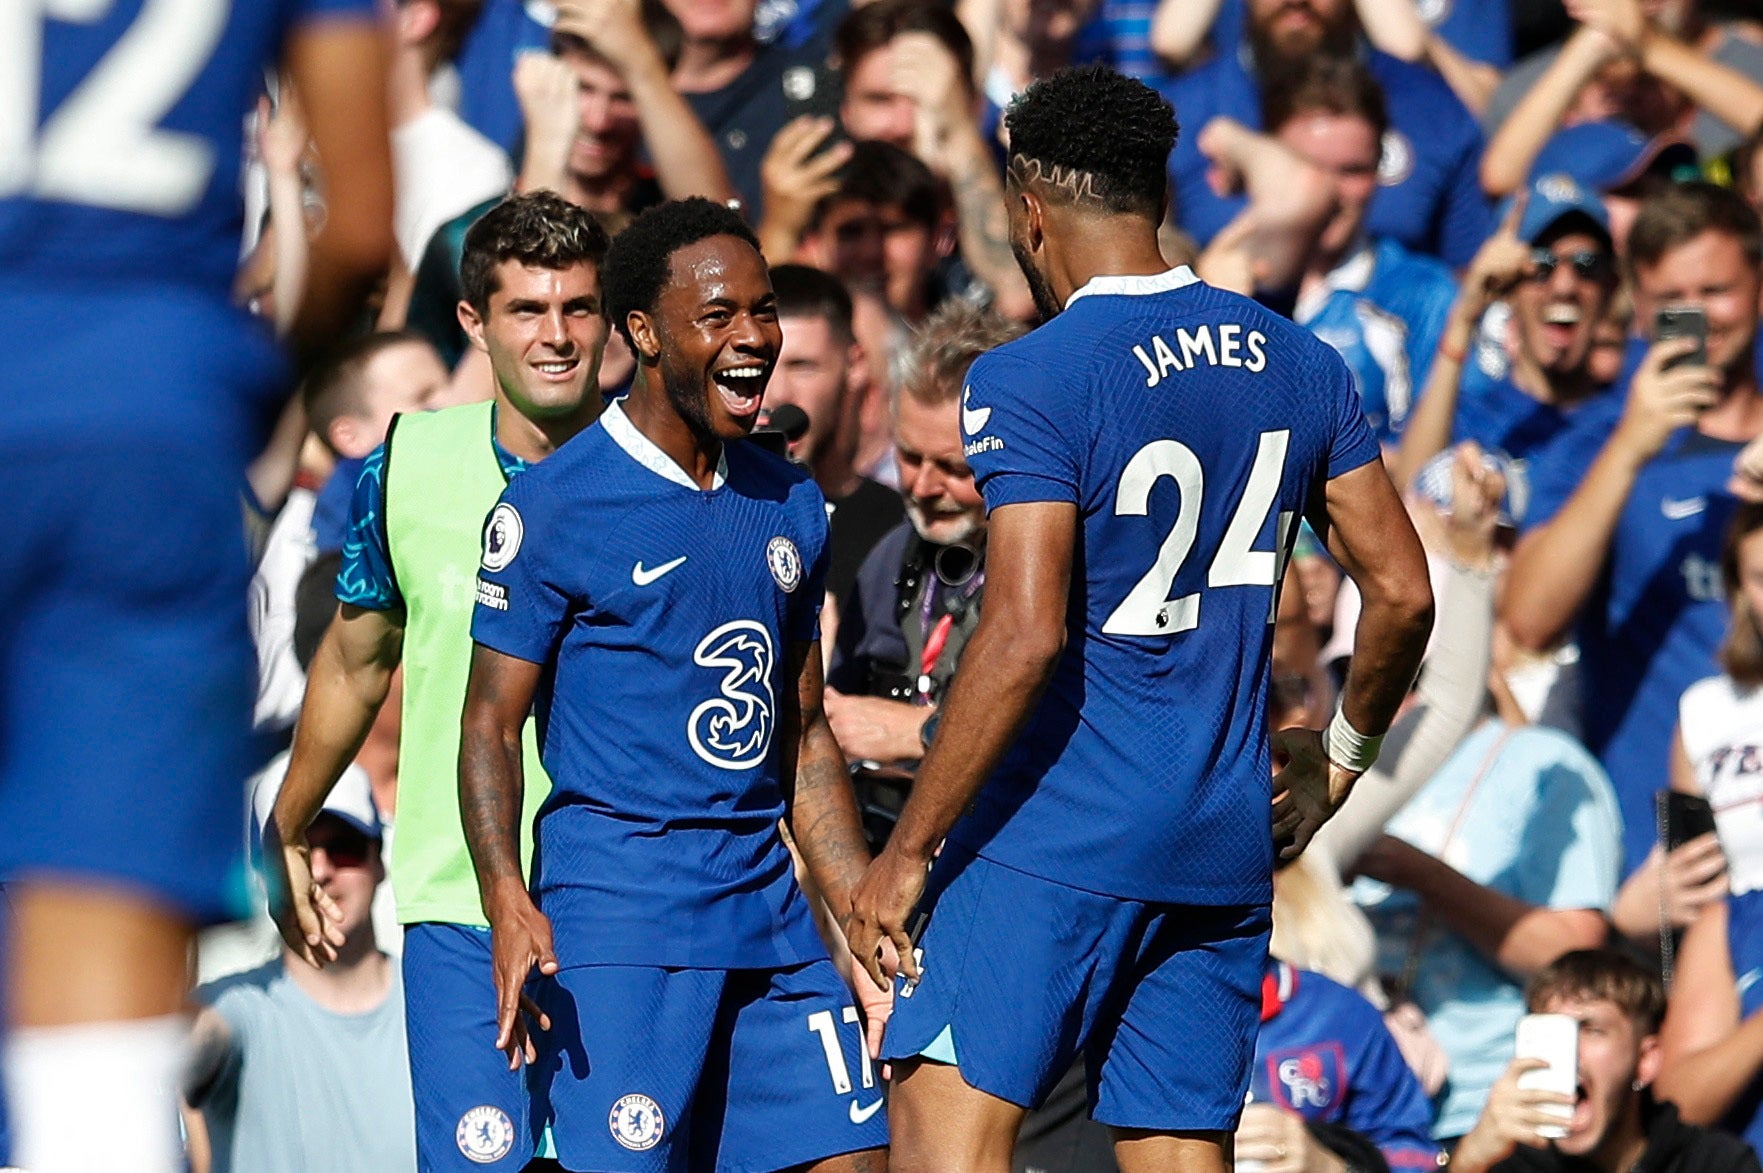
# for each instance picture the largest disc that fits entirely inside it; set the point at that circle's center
(1615, 1125)
(662, 580)
(1629, 506)
(531, 277)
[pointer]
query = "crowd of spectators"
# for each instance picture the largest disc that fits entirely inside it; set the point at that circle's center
(1533, 236)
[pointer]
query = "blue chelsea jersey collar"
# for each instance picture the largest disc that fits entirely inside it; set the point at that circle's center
(1110, 285)
(646, 453)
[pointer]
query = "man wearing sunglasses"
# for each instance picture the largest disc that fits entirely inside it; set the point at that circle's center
(1628, 507)
(289, 1043)
(1513, 378)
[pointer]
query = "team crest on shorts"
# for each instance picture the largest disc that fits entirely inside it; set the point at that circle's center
(502, 534)
(785, 563)
(485, 1134)
(636, 1123)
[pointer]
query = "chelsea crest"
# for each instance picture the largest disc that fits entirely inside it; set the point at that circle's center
(785, 563)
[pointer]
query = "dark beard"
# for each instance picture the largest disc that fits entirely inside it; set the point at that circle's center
(1046, 303)
(1274, 56)
(689, 398)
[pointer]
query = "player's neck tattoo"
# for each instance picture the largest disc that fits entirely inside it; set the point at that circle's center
(1077, 186)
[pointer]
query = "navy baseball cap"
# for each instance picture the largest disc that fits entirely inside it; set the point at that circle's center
(1611, 154)
(1551, 198)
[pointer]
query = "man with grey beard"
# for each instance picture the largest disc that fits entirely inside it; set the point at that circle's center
(917, 596)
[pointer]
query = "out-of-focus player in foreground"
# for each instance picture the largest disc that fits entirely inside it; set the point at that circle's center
(1144, 457)
(131, 396)
(657, 587)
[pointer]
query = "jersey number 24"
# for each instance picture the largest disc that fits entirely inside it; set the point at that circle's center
(102, 146)
(1147, 608)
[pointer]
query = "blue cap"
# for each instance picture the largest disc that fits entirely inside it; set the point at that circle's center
(1611, 154)
(1552, 196)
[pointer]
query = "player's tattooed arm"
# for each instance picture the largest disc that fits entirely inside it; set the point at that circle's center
(1007, 664)
(498, 697)
(817, 787)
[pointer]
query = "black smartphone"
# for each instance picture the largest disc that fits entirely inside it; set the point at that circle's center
(1682, 817)
(1683, 321)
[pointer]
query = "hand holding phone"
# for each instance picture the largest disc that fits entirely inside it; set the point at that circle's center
(1553, 1038)
(1683, 321)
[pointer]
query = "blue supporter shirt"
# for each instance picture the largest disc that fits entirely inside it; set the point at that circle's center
(1498, 415)
(664, 616)
(1190, 427)
(1382, 310)
(1744, 942)
(365, 578)
(1429, 198)
(1325, 1054)
(1654, 621)
(485, 63)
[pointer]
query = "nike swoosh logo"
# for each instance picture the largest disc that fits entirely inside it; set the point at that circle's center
(1749, 980)
(1678, 510)
(644, 577)
(972, 418)
(861, 1115)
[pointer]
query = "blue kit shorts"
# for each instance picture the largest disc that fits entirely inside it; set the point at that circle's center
(1021, 975)
(659, 1070)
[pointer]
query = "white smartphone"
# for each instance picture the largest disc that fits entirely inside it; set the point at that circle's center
(1553, 1038)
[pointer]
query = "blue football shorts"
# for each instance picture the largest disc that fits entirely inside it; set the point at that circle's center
(1021, 975)
(127, 675)
(660, 1070)
(472, 1112)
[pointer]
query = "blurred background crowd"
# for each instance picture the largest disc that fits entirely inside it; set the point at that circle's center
(1531, 233)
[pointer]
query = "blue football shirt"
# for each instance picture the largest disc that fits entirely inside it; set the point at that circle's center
(1191, 427)
(1383, 309)
(664, 615)
(121, 137)
(122, 154)
(1325, 1054)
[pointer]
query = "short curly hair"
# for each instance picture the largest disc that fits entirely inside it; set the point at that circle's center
(638, 267)
(1089, 135)
(539, 228)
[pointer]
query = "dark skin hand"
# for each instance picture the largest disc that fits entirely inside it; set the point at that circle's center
(1007, 664)
(498, 697)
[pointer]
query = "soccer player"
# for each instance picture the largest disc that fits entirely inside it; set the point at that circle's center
(655, 587)
(132, 396)
(1144, 457)
(533, 302)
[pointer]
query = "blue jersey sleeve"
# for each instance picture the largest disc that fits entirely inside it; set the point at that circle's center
(1021, 443)
(1351, 443)
(804, 614)
(365, 578)
(522, 602)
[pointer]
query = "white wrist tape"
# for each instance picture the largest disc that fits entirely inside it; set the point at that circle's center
(1348, 748)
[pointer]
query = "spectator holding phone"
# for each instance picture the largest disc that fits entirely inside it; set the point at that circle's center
(1628, 507)
(1714, 1041)
(1616, 1125)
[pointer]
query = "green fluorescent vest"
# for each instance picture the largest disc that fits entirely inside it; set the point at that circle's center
(441, 480)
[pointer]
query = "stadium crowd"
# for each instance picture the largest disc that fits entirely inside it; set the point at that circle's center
(1533, 236)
